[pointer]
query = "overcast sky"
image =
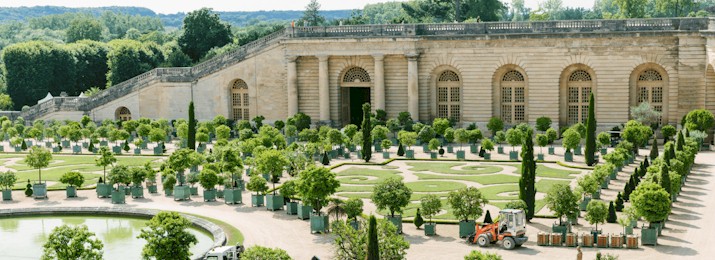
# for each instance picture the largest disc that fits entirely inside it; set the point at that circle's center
(174, 6)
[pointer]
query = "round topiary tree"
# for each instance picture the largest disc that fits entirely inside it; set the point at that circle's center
(392, 194)
(514, 137)
(105, 158)
(596, 212)
(38, 158)
(495, 124)
(353, 208)
(651, 202)
(72, 178)
(257, 184)
(562, 201)
(699, 119)
(430, 205)
(571, 139)
(208, 179)
(167, 237)
(315, 185)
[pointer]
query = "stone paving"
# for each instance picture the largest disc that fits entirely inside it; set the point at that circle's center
(686, 236)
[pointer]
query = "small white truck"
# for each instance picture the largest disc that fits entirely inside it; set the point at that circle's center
(225, 253)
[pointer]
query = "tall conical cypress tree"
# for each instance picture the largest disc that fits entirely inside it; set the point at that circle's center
(672, 153)
(666, 153)
(646, 163)
(488, 218)
(680, 142)
(400, 150)
(611, 213)
(191, 142)
(373, 251)
(654, 149)
(527, 189)
(366, 133)
(664, 179)
(591, 132)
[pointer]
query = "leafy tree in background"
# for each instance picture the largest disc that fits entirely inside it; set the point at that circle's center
(631, 8)
(82, 28)
(203, 30)
(167, 237)
(129, 58)
(5, 102)
(91, 65)
(311, 15)
(67, 242)
(562, 201)
(392, 194)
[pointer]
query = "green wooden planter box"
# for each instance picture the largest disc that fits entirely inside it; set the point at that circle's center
(410, 154)
(473, 148)
(104, 190)
(568, 156)
(219, 194)
(128, 191)
(460, 155)
(378, 148)
(577, 151)
(354, 224)
(513, 155)
(467, 228)
(346, 155)
(182, 192)
(137, 151)
(560, 229)
(274, 202)
(659, 226)
(158, 150)
(584, 203)
(194, 191)
(168, 193)
(6, 194)
(257, 200)
(596, 195)
(430, 229)
(433, 155)
(232, 196)
(604, 184)
(137, 192)
(551, 150)
(500, 150)
(39, 190)
(397, 221)
(103, 143)
(425, 148)
(385, 155)
(540, 156)
(65, 144)
(649, 236)
(604, 151)
(19, 149)
(76, 149)
(450, 149)
(117, 149)
(304, 211)
(629, 230)
(152, 189)
(48, 144)
(71, 191)
(319, 224)
(210, 195)
(292, 208)
(118, 196)
(573, 220)
(613, 175)
(487, 156)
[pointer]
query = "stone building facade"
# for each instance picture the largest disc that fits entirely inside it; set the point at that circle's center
(469, 72)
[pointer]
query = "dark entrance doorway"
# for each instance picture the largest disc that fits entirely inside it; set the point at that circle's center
(353, 98)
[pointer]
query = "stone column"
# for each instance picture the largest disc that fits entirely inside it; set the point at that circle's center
(379, 81)
(413, 96)
(292, 86)
(323, 88)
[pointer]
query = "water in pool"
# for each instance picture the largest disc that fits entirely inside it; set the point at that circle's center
(22, 238)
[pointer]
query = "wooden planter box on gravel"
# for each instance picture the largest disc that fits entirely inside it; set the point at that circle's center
(542, 239)
(616, 241)
(572, 239)
(602, 241)
(556, 239)
(631, 242)
(587, 240)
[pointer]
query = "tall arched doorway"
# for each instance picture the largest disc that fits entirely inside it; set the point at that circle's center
(123, 114)
(509, 93)
(649, 83)
(577, 83)
(449, 96)
(355, 91)
(239, 100)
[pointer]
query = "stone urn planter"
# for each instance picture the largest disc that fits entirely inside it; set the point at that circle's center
(209, 195)
(274, 202)
(430, 229)
(319, 223)
(466, 228)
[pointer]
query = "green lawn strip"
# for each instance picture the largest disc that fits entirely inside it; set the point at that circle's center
(447, 168)
(545, 171)
(54, 175)
(368, 195)
(539, 204)
(544, 186)
(490, 192)
(434, 186)
(483, 179)
(233, 235)
(355, 188)
(69, 160)
(411, 210)
(381, 175)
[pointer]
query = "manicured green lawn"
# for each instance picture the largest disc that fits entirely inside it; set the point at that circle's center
(356, 172)
(69, 160)
(483, 179)
(545, 171)
(447, 168)
(368, 195)
(355, 188)
(434, 186)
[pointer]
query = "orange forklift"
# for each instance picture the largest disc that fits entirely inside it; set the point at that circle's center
(509, 228)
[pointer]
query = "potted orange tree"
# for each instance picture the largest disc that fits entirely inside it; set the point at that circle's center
(73, 179)
(315, 186)
(466, 204)
(430, 205)
(272, 162)
(393, 195)
(208, 180)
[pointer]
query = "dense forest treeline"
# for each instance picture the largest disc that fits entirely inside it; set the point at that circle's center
(59, 49)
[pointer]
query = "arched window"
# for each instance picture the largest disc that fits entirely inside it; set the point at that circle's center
(123, 114)
(513, 97)
(449, 96)
(239, 100)
(579, 90)
(650, 89)
(356, 75)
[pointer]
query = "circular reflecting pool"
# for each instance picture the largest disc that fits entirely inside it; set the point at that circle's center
(23, 237)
